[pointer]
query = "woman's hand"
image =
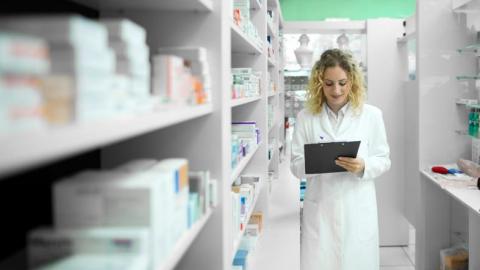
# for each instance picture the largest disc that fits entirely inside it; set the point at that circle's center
(353, 165)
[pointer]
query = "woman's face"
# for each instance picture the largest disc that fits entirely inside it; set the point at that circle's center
(336, 87)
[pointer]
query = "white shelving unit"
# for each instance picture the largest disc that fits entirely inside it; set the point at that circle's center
(241, 101)
(444, 212)
(202, 134)
(245, 54)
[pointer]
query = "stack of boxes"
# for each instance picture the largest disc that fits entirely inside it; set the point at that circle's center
(195, 58)
(132, 69)
(146, 202)
(246, 83)
(87, 62)
(23, 61)
(241, 17)
(248, 242)
(245, 136)
(181, 75)
(244, 191)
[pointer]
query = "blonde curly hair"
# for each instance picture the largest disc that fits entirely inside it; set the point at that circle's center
(332, 58)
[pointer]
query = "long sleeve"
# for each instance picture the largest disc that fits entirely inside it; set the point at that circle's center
(378, 160)
(297, 161)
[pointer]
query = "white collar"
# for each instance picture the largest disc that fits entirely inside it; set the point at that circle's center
(341, 112)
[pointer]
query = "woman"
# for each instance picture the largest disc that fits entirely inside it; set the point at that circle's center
(339, 225)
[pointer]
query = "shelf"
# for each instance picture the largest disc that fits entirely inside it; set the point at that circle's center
(30, 149)
(473, 77)
(236, 240)
(459, 3)
(473, 106)
(243, 163)
(466, 101)
(468, 197)
(272, 94)
(241, 101)
(406, 38)
(241, 43)
(474, 48)
(174, 5)
(465, 6)
(465, 133)
(184, 243)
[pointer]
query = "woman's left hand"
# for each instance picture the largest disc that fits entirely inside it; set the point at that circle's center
(353, 165)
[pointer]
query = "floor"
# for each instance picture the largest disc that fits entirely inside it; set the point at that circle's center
(279, 247)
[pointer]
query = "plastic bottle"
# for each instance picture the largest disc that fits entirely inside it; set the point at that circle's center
(470, 122)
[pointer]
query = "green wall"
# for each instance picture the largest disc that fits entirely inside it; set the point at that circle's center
(317, 10)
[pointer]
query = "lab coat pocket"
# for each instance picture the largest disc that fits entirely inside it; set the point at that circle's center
(310, 219)
(366, 221)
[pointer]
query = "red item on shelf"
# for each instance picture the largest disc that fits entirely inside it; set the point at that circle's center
(440, 169)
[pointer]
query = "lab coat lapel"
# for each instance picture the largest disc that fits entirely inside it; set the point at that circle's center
(326, 125)
(346, 123)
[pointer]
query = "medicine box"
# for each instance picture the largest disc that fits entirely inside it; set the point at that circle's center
(46, 245)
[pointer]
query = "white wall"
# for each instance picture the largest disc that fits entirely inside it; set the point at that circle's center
(385, 90)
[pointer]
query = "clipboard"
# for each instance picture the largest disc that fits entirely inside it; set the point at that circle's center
(320, 157)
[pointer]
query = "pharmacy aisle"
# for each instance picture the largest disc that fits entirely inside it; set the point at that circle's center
(280, 247)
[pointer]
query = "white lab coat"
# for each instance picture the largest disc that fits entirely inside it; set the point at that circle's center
(340, 224)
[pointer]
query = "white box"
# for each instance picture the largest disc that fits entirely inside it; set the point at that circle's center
(60, 29)
(189, 53)
(77, 59)
(133, 69)
(136, 52)
(47, 245)
(125, 30)
(171, 81)
(137, 165)
(23, 54)
(112, 199)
